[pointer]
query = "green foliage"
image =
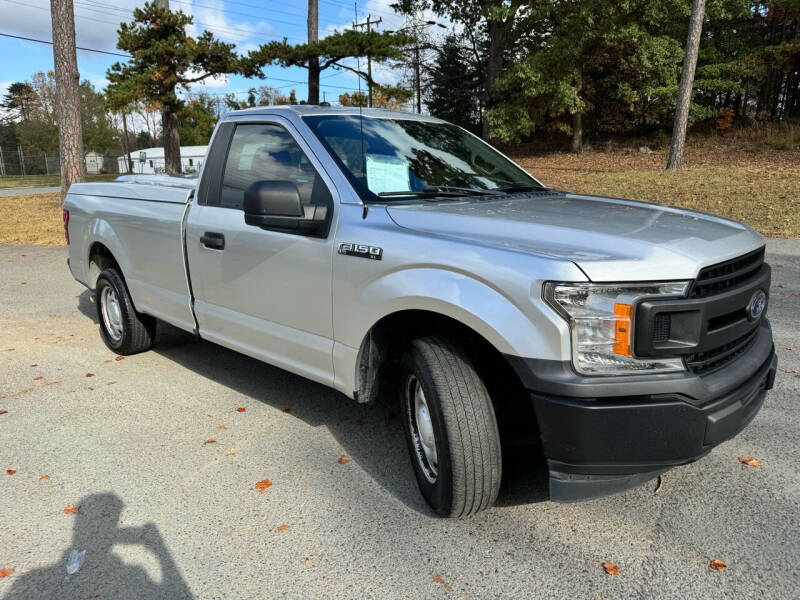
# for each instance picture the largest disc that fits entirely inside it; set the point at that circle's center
(198, 117)
(164, 58)
(331, 51)
(453, 85)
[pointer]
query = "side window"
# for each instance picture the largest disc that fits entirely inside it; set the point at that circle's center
(268, 153)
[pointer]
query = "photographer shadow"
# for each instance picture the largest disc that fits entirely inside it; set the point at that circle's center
(101, 573)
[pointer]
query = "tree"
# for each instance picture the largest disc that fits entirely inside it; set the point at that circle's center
(610, 64)
(328, 52)
(676, 146)
(164, 59)
(494, 29)
(197, 118)
(19, 100)
(65, 61)
(453, 85)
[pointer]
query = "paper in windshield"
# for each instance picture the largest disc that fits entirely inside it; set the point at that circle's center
(387, 173)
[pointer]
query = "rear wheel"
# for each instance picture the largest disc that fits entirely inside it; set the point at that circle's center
(123, 330)
(450, 428)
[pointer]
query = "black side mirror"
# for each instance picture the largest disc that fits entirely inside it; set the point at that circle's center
(276, 205)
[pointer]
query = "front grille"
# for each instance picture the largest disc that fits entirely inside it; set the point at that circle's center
(716, 358)
(725, 275)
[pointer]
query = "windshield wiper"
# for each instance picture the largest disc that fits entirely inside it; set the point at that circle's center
(524, 188)
(441, 190)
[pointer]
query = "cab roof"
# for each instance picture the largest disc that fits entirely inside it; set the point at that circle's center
(305, 110)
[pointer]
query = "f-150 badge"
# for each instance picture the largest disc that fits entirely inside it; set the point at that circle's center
(362, 250)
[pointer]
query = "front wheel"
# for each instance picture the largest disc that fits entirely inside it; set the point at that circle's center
(450, 428)
(123, 330)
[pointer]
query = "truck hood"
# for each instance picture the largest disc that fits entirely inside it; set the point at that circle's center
(608, 238)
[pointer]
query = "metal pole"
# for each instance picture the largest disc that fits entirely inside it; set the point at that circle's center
(2, 164)
(21, 160)
(46, 166)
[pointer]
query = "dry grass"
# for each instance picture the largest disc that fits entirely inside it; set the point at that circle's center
(726, 176)
(31, 220)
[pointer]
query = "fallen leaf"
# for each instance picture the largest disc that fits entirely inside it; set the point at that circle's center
(717, 565)
(44, 477)
(796, 376)
(107, 361)
(240, 409)
(344, 459)
(38, 377)
(91, 388)
(780, 285)
(287, 410)
(34, 365)
(2, 412)
(282, 528)
(791, 348)
(111, 383)
(750, 461)
(222, 426)
(263, 485)
(231, 452)
(90, 374)
(52, 382)
(6, 572)
(611, 568)
(119, 357)
(210, 441)
(437, 579)
(10, 471)
(71, 509)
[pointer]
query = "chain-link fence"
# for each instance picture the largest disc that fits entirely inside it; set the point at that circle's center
(17, 162)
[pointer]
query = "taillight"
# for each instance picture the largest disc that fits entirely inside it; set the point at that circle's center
(65, 218)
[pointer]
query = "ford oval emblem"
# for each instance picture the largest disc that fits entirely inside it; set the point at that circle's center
(757, 305)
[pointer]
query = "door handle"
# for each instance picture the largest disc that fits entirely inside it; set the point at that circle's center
(215, 241)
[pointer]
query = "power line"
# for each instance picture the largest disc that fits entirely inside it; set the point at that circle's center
(28, 39)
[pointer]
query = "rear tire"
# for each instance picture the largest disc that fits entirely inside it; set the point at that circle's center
(450, 428)
(123, 330)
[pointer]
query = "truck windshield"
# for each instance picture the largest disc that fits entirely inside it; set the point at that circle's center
(397, 158)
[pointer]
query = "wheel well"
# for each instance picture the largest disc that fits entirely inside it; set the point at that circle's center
(383, 346)
(100, 258)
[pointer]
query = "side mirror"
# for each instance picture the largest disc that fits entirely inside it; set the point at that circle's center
(276, 205)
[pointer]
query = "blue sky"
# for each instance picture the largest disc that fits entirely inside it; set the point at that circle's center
(247, 23)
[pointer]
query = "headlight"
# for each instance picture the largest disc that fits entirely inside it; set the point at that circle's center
(601, 318)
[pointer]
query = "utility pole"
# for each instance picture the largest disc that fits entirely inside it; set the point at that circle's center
(368, 24)
(126, 145)
(313, 62)
(65, 62)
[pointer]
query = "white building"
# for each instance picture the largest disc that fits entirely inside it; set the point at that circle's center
(151, 160)
(94, 162)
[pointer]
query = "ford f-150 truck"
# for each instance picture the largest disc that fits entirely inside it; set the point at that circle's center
(381, 252)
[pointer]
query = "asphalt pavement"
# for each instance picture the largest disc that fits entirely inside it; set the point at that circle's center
(160, 465)
(27, 191)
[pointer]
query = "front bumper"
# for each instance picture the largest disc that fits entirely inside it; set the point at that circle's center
(605, 435)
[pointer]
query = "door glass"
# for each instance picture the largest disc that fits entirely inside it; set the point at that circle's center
(268, 153)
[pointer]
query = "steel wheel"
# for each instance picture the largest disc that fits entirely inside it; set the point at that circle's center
(421, 427)
(112, 314)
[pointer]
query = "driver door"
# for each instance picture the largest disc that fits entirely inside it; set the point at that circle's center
(261, 292)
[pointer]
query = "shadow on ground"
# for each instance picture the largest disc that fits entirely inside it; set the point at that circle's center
(371, 435)
(96, 539)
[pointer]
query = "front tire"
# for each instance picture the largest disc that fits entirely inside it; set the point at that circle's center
(123, 330)
(451, 429)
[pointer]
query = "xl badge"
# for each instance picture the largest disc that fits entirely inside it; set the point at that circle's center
(371, 252)
(757, 305)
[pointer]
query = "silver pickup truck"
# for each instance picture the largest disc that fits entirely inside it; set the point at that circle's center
(382, 252)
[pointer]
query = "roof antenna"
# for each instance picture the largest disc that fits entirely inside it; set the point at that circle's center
(361, 114)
